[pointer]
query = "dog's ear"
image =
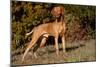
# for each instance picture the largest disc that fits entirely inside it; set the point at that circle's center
(62, 10)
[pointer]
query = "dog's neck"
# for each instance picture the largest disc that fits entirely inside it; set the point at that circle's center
(60, 20)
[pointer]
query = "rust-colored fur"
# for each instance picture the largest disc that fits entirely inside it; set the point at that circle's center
(55, 29)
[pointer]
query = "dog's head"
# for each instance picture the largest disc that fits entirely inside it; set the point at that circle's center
(57, 11)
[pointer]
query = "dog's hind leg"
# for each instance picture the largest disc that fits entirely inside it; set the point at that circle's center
(33, 41)
(45, 36)
(43, 42)
(27, 49)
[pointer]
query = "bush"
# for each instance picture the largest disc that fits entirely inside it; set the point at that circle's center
(80, 20)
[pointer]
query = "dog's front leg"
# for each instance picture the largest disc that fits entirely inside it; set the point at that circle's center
(63, 43)
(56, 45)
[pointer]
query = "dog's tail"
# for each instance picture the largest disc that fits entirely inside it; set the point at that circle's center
(27, 34)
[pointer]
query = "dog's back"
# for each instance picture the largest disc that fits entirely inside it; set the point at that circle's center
(51, 28)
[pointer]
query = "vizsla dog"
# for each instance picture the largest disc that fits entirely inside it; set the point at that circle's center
(58, 13)
(55, 28)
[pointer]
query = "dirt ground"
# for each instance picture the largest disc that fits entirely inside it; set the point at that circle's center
(75, 52)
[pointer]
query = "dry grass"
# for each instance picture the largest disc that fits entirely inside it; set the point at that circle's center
(75, 52)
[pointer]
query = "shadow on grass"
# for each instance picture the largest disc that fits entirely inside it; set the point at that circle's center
(50, 50)
(68, 48)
